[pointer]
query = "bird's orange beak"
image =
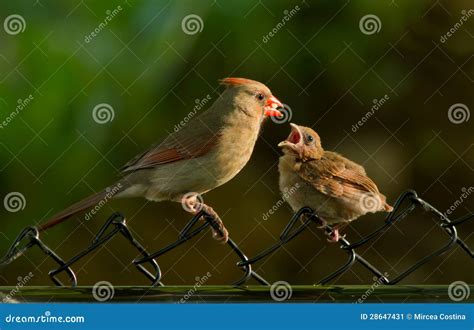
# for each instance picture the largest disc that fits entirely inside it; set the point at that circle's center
(271, 107)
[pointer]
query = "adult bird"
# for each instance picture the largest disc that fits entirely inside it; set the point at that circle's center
(336, 188)
(206, 153)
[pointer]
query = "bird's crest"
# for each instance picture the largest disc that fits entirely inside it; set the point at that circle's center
(232, 81)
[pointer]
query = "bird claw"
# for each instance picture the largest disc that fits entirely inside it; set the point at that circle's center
(220, 233)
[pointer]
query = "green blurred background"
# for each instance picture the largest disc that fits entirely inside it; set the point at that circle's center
(320, 63)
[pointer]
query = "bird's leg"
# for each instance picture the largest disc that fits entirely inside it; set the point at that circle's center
(334, 236)
(221, 234)
(193, 204)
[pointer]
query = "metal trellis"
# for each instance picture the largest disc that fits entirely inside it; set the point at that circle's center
(116, 224)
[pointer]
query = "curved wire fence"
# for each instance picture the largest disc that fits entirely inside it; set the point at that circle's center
(148, 264)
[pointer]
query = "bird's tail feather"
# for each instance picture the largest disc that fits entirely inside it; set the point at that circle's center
(72, 210)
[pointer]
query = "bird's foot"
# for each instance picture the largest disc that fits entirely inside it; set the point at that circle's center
(219, 232)
(192, 203)
(334, 236)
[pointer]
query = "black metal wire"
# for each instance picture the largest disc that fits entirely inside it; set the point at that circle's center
(395, 216)
(286, 235)
(117, 221)
(188, 233)
(31, 235)
(444, 222)
(405, 204)
(289, 233)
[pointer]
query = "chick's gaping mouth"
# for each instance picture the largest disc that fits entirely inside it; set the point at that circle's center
(294, 139)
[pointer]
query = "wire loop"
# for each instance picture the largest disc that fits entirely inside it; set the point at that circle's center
(116, 224)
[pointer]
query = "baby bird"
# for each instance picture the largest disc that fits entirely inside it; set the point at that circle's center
(337, 189)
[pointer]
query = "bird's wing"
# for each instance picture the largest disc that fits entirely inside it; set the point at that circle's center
(190, 142)
(335, 176)
(349, 163)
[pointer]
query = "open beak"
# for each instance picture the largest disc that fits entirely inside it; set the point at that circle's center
(294, 141)
(271, 106)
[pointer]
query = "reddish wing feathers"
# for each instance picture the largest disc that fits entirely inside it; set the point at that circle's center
(191, 142)
(174, 148)
(194, 141)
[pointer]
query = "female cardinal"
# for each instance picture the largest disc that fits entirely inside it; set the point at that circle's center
(204, 154)
(337, 189)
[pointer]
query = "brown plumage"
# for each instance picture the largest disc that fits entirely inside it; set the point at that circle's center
(337, 189)
(206, 153)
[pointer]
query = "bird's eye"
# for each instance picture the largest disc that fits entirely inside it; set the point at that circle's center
(310, 138)
(260, 96)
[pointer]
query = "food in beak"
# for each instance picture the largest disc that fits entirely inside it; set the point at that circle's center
(271, 107)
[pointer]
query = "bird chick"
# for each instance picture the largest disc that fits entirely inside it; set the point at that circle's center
(337, 189)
